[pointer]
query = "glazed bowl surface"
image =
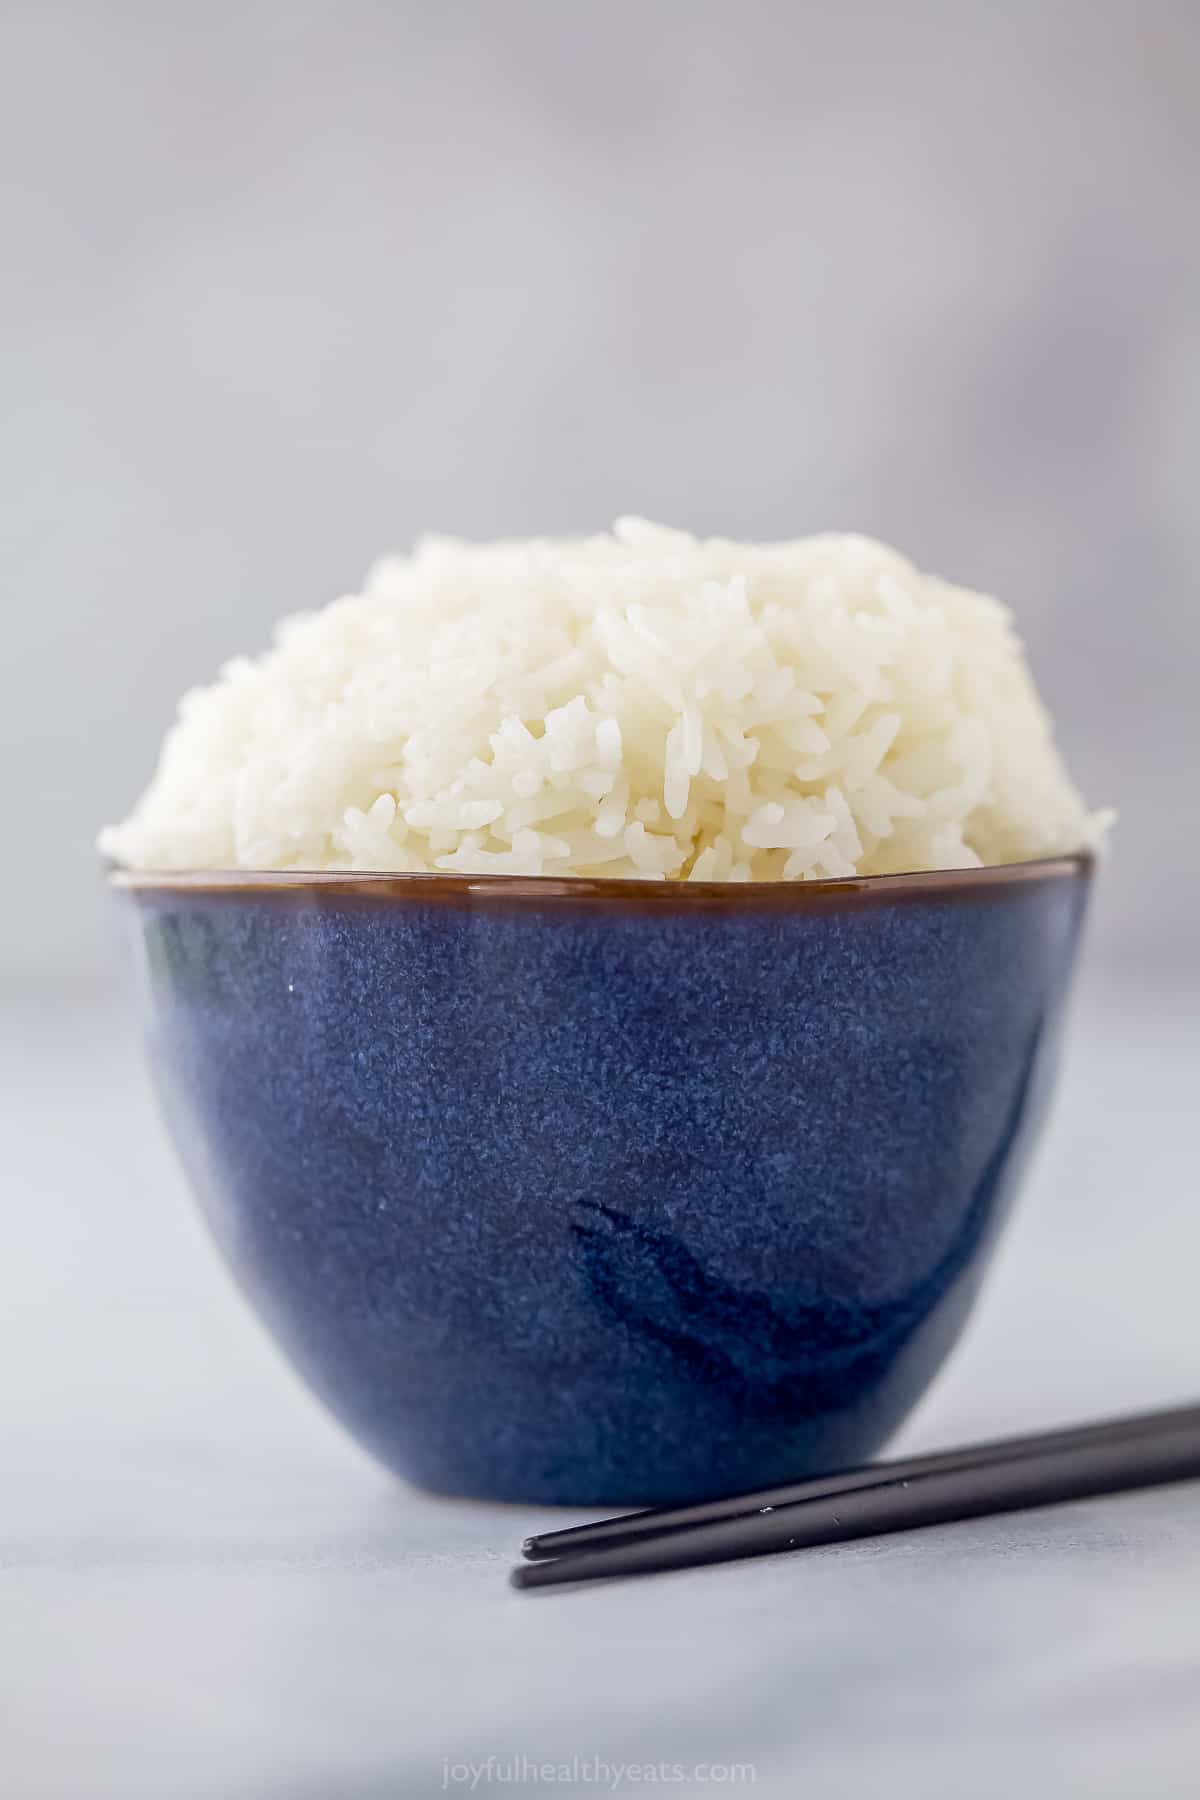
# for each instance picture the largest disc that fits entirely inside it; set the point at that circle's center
(608, 1192)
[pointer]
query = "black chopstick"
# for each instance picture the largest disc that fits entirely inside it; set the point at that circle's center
(1040, 1470)
(629, 1527)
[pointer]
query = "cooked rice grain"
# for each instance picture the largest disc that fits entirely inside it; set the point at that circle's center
(634, 704)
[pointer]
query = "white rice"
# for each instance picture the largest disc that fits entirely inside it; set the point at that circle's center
(633, 704)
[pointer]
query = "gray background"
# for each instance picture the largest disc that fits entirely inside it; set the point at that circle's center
(288, 283)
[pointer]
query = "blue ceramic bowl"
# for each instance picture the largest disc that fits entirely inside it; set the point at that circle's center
(609, 1192)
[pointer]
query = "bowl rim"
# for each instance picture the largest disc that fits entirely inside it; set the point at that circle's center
(333, 885)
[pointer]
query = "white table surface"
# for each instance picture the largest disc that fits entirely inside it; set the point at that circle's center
(206, 1590)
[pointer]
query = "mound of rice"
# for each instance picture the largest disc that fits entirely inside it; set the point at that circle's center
(633, 704)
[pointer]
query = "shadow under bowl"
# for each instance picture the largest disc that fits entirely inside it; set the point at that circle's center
(608, 1193)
